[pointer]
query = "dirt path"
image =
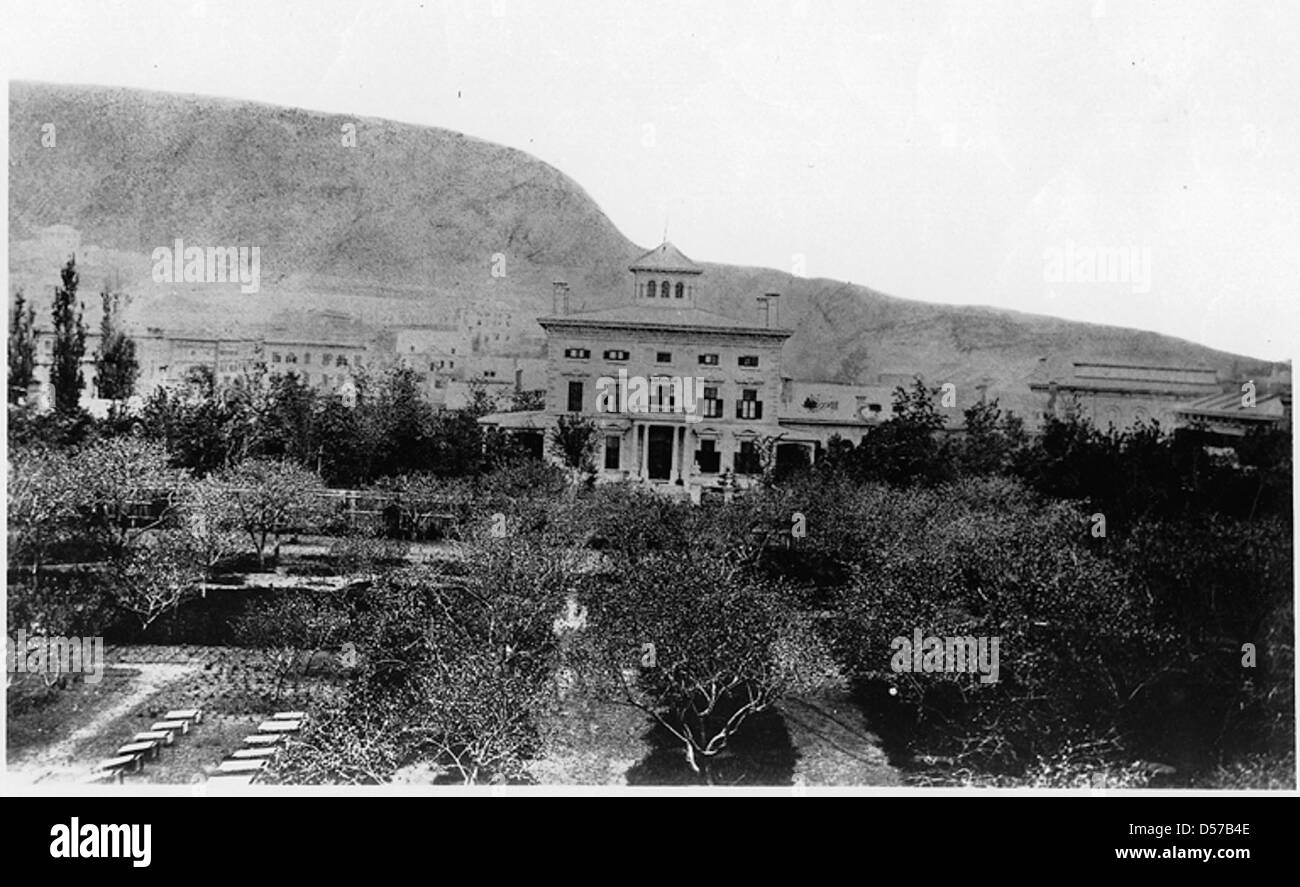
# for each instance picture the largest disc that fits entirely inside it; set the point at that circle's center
(58, 761)
(835, 746)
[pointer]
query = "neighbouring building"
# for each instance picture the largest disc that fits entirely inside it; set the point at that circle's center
(1232, 415)
(1121, 394)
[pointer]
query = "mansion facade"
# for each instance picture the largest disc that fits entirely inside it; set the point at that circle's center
(679, 395)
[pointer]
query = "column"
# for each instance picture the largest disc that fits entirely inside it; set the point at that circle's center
(688, 456)
(674, 474)
(643, 433)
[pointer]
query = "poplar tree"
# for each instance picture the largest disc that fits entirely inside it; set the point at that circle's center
(22, 348)
(116, 365)
(69, 343)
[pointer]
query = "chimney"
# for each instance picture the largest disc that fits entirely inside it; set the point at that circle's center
(772, 309)
(559, 297)
(767, 309)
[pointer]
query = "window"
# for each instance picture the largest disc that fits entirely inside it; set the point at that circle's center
(306, 357)
(874, 407)
(341, 361)
(608, 401)
(663, 357)
(650, 289)
(577, 353)
(708, 360)
(275, 357)
(575, 397)
(712, 403)
(707, 457)
(663, 290)
(291, 358)
(325, 359)
(748, 360)
(747, 458)
(663, 394)
(749, 406)
(680, 290)
(611, 452)
(616, 354)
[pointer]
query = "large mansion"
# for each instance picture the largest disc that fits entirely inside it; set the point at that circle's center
(679, 394)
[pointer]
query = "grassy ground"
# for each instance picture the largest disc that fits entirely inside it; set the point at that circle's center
(62, 737)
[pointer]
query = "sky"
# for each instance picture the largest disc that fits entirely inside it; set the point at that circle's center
(1129, 163)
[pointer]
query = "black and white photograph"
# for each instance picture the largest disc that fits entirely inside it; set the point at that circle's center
(516, 397)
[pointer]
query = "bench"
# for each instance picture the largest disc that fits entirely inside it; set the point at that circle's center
(237, 766)
(185, 714)
(118, 767)
(166, 737)
(182, 726)
(279, 727)
(289, 716)
(224, 779)
(253, 754)
(148, 748)
(264, 739)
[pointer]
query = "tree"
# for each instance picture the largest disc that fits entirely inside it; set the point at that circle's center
(125, 488)
(116, 365)
(269, 498)
(41, 506)
(154, 577)
(292, 628)
(22, 348)
(453, 671)
(205, 427)
(573, 441)
(69, 343)
(904, 449)
(209, 527)
(695, 645)
(527, 400)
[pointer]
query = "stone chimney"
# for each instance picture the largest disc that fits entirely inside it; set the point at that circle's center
(559, 297)
(767, 313)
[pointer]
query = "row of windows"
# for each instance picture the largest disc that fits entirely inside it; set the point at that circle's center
(664, 289)
(708, 460)
(663, 398)
(341, 360)
(618, 354)
(323, 379)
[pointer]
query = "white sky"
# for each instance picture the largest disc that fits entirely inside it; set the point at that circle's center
(936, 151)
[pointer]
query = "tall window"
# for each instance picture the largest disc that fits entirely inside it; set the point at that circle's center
(707, 457)
(747, 458)
(611, 452)
(712, 403)
(650, 290)
(681, 290)
(663, 290)
(749, 406)
(575, 397)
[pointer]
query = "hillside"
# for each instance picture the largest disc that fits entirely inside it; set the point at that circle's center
(409, 222)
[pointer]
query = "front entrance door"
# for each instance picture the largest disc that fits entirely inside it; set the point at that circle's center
(659, 457)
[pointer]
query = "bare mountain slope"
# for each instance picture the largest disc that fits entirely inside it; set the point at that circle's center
(419, 217)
